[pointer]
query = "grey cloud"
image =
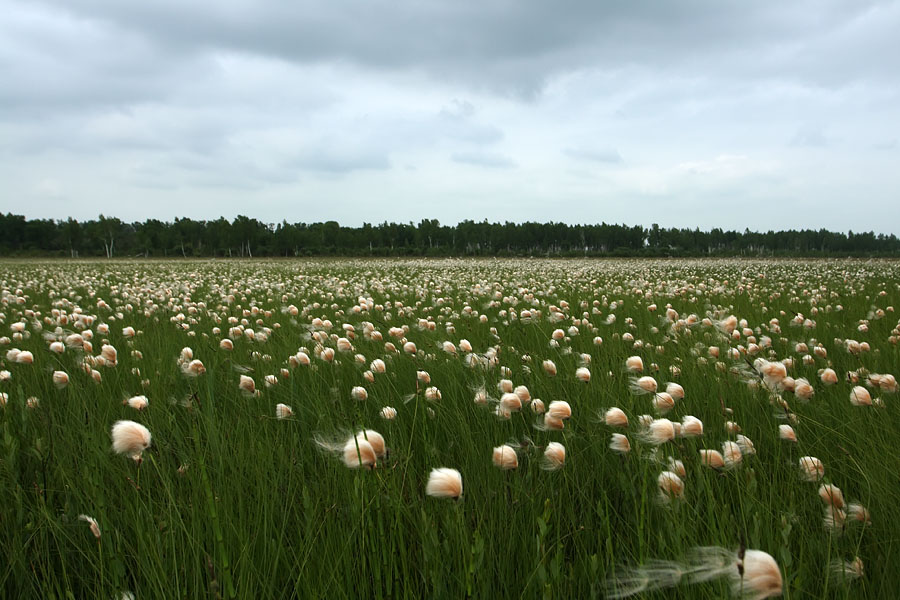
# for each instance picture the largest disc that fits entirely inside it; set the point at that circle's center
(514, 46)
(459, 121)
(458, 109)
(332, 161)
(54, 59)
(229, 167)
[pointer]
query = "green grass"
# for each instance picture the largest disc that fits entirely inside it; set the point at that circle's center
(231, 502)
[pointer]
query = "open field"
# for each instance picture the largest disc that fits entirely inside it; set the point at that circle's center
(234, 496)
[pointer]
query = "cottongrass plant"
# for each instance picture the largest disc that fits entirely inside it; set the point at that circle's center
(231, 501)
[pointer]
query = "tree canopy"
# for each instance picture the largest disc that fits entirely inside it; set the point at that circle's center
(248, 237)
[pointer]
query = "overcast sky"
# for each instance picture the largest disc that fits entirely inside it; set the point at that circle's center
(690, 113)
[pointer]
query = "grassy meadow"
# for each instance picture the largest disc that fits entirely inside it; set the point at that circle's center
(238, 497)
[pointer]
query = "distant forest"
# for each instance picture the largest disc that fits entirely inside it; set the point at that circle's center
(247, 237)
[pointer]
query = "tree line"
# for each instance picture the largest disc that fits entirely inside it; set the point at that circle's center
(247, 237)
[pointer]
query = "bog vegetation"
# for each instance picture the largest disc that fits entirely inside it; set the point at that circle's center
(490, 429)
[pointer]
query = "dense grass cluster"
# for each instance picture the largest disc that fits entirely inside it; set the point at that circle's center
(236, 496)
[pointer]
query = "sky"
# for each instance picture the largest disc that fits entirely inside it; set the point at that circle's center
(761, 115)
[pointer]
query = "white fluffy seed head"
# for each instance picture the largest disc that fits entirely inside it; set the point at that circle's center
(663, 403)
(510, 402)
(559, 409)
(712, 459)
(847, 569)
(858, 512)
(554, 456)
(675, 390)
(375, 439)
(811, 468)
(691, 426)
(619, 443)
(138, 402)
(860, 396)
(553, 423)
(746, 445)
(616, 417)
(803, 390)
(444, 483)
(644, 385)
(834, 518)
(634, 364)
(247, 385)
(60, 379)
(109, 354)
(670, 485)
(522, 392)
(831, 494)
(658, 431)
(759, 575)
(92, 522)
(130, 438)
(731, 452)
(787, 433)
(676, 466)
(828, 376)
(505, 457)
(193, 368)
(359, 453)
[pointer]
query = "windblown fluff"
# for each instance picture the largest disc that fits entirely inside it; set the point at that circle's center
(754, 574)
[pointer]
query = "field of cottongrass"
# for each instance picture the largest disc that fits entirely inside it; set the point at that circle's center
(188, 429)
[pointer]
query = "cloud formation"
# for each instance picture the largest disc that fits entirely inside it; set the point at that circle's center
(453, 110)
